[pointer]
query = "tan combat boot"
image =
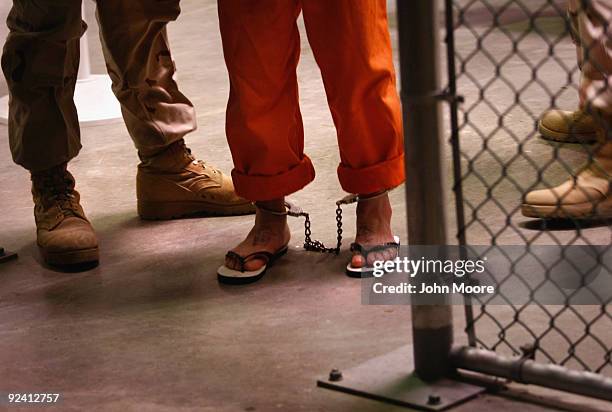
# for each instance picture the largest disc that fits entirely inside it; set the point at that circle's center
(567, 127)
(174, 184)
(64, 235)
(587, 195)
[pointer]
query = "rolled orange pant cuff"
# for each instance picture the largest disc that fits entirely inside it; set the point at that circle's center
(262, 188)
(371, 179)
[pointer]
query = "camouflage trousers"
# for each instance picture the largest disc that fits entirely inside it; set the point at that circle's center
(41, 59)
(592, 32)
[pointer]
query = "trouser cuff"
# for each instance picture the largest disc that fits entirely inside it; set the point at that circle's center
(372, 179)
(263, 188)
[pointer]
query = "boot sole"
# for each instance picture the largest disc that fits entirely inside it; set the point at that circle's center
(603, 210)
(549, 134)
(176, 210)
(71, 258)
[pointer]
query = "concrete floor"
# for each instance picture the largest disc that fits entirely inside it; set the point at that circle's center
(151, 329)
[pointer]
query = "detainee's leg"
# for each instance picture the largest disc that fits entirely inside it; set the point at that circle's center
(170, 181)
(40, 63)
(264, 126)
(351, 44)
(588, 195)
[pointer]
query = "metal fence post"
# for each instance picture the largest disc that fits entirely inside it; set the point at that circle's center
(388, 378)
(420, 84)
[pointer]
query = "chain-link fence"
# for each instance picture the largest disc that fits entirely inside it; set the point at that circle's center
(509, 62)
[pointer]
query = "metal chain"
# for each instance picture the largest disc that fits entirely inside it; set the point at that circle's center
(317, 246)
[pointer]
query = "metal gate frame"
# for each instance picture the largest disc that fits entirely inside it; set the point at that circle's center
(518, 369)
(433, 383)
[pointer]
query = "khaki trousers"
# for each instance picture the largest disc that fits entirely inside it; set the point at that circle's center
(592, 33)
(40, 63)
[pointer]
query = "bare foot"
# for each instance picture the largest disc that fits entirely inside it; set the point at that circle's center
(269, 234)
(374, 228)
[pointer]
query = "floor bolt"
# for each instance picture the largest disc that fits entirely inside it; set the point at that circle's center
(434, 400)
(335, 375)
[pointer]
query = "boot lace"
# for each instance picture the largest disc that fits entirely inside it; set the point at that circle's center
(202, 163)
(57, 189)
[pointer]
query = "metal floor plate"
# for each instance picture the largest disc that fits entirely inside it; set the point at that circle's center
(388, 378)
(6, 256)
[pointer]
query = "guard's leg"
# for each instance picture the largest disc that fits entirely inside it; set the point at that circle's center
(589, 194)
(40, 62)
(171, 182)
(567, 126)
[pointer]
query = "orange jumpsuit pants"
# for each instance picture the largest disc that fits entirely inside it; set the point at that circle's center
(351, 45)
